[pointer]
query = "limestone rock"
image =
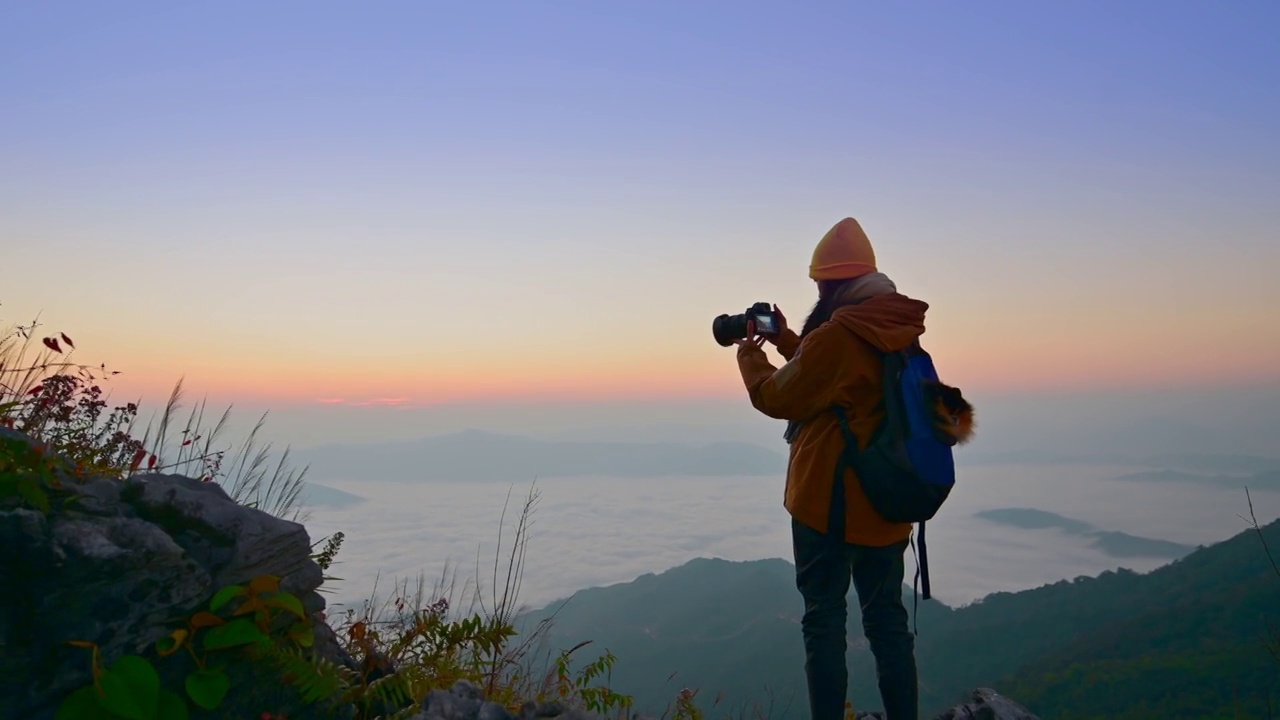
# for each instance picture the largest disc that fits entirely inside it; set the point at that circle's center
(121, 566)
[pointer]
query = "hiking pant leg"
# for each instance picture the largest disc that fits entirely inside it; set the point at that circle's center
(822, 576)
(877, 577)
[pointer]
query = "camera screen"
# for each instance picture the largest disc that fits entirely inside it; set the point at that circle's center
(764, 324)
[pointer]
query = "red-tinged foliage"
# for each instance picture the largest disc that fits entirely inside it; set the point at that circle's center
(52, 344)
(138, 456)
(67, 340)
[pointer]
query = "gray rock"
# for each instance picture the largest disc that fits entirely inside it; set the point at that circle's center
(987, 704)
(121, 565)
(983, 704)
(494, 711)
(550, 708)
(448, 705)
(98, 496)
(243, 542)
(467, 690)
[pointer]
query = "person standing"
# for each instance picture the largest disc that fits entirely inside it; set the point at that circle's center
(835, 360)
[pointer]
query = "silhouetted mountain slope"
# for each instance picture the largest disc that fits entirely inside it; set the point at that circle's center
(730, 628)
(1191, 643)
(480, 456)
(1217, 590)
(733, 628)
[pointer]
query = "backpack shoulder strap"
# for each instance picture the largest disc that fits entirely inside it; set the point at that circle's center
(842, 417)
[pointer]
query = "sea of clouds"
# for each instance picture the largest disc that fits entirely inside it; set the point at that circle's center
(598, 531)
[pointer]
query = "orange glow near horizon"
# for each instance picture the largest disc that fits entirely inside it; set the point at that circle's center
(1089, 351)
(1022, 372)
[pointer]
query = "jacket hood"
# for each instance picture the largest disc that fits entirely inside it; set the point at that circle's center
(889, 321)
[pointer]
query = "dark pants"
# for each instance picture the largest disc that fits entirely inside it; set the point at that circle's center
(823, 572)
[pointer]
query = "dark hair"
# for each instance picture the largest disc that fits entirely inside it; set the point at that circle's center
(828, 291)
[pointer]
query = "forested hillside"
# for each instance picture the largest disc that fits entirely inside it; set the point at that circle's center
(1186, 640)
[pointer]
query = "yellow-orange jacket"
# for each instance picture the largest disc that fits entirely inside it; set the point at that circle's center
(835, 364)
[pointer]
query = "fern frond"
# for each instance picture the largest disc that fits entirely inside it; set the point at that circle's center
(406, 686)
(395, 690)
(316, 678)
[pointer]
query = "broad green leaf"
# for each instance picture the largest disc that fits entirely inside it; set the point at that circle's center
(131, 688)
(207, 688)
(225, 595)
(303, 633)
(288, 602)
(80, 705)
(171, 706)
(237, 632)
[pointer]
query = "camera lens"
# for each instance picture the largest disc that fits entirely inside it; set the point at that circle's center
(727, 328)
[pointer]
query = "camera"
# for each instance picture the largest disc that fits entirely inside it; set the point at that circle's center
(727, 328)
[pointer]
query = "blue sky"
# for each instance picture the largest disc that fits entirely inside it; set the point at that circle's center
(289, 201)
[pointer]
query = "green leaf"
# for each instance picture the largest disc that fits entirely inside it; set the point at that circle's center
(207, 688)
(131, 688)
(240, 631)
(80, 705)
(288, 602)
(225, 596)
(170, 644)
(171, 706)
(303, 633)
(31, 491)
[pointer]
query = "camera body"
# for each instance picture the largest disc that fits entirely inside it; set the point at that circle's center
(727, 328)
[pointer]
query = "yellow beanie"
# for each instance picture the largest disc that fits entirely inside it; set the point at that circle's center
(843, 253)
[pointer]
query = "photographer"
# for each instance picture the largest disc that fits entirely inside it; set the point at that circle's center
(834, 361)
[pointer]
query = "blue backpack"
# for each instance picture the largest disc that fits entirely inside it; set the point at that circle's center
(907, 469)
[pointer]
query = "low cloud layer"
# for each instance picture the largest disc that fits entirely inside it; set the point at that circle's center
(598, 531)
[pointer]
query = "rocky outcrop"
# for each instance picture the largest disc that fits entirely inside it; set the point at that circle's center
(983, 704)
(123, 565)
(987, 704)
(465, 701)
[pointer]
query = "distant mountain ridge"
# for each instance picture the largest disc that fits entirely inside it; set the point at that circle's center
(1113, 543)
(1265, 480)
(1197, 462)
(316, 495)
(475, 455)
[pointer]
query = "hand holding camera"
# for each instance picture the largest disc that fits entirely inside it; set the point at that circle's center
(760, 322)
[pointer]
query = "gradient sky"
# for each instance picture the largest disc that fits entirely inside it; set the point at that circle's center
(410, 202)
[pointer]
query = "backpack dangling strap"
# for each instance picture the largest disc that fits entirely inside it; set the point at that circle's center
(850, 440)
(915, 591)
(922, 568)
